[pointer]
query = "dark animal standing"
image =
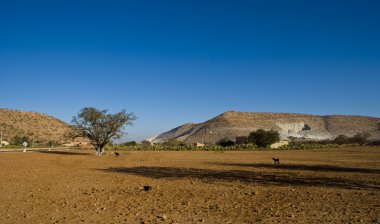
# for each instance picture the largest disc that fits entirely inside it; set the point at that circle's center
(117, 154)
(276, 160)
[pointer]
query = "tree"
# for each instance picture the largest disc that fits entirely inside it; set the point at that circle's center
(18, 140)
(342, 139)
(100, 127)
(52, 143)
(263, 138)
(225, 142)
(360, 138)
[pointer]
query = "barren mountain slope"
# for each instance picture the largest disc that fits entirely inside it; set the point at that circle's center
(232, 124)
(41, 127)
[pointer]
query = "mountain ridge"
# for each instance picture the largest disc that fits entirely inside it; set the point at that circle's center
(231, 124)
(38, 126)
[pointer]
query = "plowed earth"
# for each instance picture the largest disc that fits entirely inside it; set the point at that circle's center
(75, 186)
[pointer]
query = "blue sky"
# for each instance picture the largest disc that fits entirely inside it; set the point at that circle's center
(173, 62)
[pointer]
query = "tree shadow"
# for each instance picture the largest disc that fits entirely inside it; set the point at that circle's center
(317, 168)
(283, 179)
(64, 153)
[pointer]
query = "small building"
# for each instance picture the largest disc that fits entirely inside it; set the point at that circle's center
(241, 140)
(279, 144)
(4, 143)
(198, 144)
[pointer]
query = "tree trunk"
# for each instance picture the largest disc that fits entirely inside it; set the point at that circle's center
(99, 150)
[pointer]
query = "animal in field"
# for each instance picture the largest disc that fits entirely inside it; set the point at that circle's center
(276, 160)
(117, 154)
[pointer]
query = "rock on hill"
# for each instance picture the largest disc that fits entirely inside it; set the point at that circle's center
(41, 127)
(232, 124)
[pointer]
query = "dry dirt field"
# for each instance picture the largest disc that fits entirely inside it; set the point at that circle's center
(319, 186)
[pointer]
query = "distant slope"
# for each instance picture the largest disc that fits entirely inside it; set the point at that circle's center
(41, 127)
(232, 124)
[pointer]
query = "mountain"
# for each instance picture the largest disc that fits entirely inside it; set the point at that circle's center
(41, 127)
(232, 124)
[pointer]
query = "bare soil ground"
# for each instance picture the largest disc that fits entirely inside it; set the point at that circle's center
(324, 186)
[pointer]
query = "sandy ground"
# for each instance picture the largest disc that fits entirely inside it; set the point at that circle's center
(324, 186)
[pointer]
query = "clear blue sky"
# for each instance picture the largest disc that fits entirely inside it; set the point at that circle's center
(172, 62)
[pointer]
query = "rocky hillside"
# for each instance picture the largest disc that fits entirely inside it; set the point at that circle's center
(41, 127)
(232, 124)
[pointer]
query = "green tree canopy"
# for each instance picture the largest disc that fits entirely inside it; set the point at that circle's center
(100, 127)
(263, 138)
(225, 142)
(342, 139)
(18, 140)
(360, 138)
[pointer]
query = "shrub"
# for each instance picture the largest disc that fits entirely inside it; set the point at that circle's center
(131, 143)
(374, 143)
(171, 142)
(304, 146)
(146, 144)
(306, 127)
